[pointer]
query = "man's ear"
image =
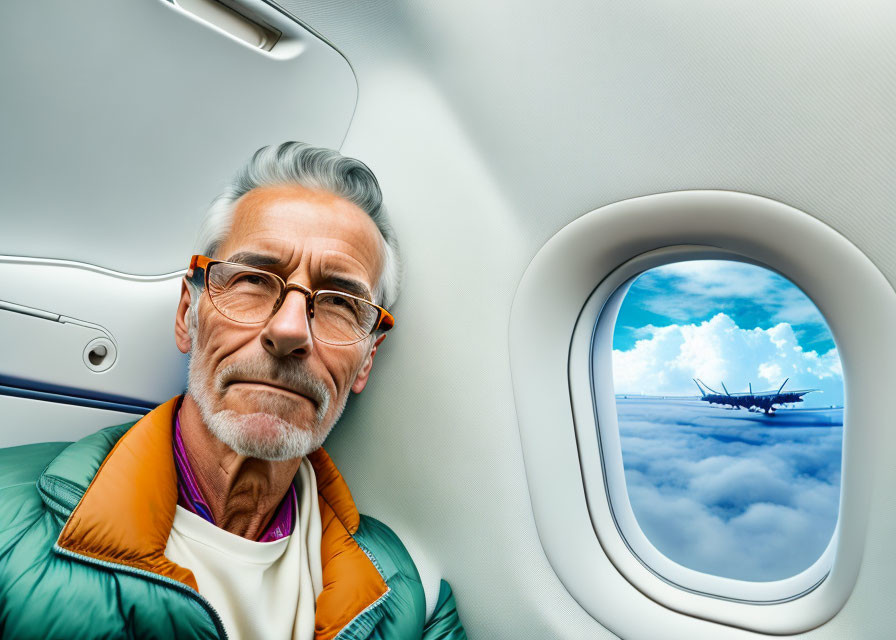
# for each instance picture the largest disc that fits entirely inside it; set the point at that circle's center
(181, 333)
(364, 374)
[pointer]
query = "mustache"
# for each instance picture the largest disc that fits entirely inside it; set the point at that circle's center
(290, 374)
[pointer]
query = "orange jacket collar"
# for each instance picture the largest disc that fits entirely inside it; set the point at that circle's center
(125, 517)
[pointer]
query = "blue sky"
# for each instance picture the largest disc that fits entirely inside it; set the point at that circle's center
(722, 320)
(694, 291)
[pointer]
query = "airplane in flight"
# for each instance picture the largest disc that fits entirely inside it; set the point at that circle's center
(535, 159)
(760, 401)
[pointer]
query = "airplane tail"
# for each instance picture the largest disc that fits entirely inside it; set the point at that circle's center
(782, 384)
(705, 386)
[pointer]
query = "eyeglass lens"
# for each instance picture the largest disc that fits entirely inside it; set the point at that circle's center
(249, 295)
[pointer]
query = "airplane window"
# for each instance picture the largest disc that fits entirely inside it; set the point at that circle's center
(729, 402)
(726, 409)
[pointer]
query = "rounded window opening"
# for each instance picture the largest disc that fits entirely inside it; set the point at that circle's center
(729, 402)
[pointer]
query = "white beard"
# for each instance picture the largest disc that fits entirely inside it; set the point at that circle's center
(280, 440)
(263, 435)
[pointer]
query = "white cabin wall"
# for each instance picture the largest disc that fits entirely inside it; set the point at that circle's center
(491, 126)
(585, 103)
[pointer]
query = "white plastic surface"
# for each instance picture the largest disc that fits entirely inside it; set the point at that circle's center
(247, 28)
(122, 119)
(135, 313)
(22, 418)
(37, 349)
(563, 463)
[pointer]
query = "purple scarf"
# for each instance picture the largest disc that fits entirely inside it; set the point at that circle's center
(190, 497)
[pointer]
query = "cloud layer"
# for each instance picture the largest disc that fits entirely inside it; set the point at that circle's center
(732, 493)
(665, 359)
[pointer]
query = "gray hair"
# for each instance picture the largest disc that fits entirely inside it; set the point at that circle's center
(313, 168)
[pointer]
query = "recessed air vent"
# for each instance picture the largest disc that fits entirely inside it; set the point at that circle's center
(234, 19)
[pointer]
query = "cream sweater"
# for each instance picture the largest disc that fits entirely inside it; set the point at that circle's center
(260, 589)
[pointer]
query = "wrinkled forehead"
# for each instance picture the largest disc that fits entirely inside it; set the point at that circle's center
(313, 232)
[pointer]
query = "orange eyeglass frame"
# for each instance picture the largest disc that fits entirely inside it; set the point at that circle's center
(384, 321)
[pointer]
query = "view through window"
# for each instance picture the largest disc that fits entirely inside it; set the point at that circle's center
(729, 395)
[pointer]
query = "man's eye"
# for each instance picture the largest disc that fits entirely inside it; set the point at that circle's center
(340, 304)
(249, 278)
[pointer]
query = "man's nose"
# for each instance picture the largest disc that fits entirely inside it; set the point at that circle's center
(288, 331)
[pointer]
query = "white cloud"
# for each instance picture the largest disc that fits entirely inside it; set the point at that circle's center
(665, 360)
(770, 371)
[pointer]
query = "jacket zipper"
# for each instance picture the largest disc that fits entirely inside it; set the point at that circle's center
(343, 633)
(189, 592)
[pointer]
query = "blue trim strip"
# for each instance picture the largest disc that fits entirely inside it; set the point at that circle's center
(58, 398)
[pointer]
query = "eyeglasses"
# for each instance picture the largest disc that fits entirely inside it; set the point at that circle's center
(250, 296)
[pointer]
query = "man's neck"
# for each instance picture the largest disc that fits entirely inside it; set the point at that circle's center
(242, 493)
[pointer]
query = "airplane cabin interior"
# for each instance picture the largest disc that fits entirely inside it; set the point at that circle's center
(640, 377)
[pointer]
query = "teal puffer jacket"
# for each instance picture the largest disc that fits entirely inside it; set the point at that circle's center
(66, 573)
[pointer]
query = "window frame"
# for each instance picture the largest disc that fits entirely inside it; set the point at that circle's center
(588, 555)
(591, 359)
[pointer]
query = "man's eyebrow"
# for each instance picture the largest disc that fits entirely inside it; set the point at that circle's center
(341, 283)
(354, 287)
(252, 259)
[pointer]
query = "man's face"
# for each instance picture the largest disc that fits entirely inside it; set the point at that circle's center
(270, 390)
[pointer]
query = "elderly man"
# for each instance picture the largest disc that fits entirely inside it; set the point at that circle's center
(218, 514)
